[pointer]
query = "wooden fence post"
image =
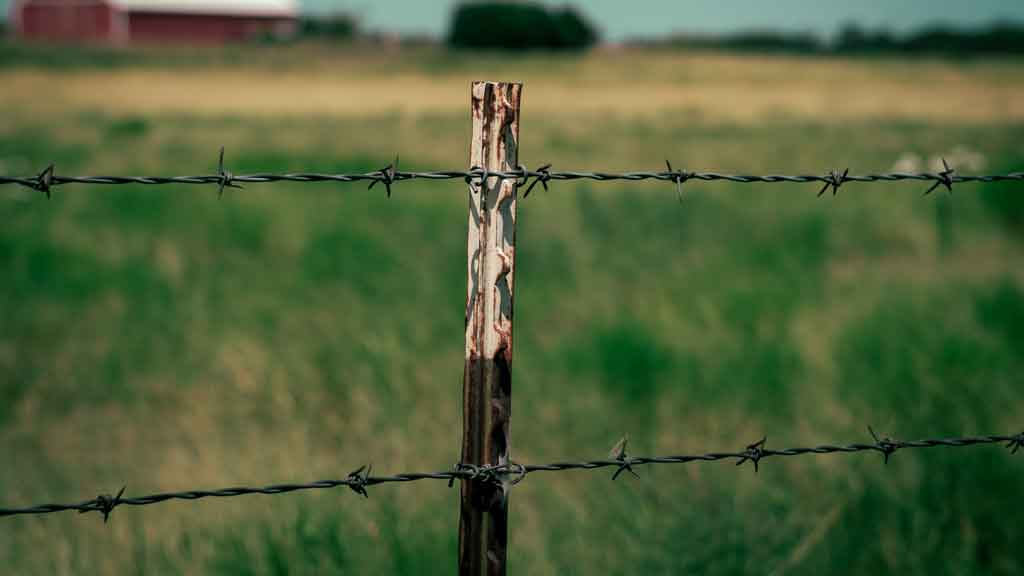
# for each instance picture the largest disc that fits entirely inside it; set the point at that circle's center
(487, 380)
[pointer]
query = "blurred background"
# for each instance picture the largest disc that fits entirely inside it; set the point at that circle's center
(167, 340)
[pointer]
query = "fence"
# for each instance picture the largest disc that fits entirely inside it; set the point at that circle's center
(486, 470)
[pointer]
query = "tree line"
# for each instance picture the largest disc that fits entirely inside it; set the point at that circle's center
(523, 26)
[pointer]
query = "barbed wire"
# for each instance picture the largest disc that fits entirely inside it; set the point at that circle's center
(512, 473)
(389, 175)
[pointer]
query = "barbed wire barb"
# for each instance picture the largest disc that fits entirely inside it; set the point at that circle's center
(887, 446)
(619, 453)
(386, 176)
(105, 504)
(754, 453)
(945, 179)
(679, 178)
(359, 479)
(226, 179)
(542, 175)
(1016, 443)
(834, 180)
(42, 182)
(457, 471)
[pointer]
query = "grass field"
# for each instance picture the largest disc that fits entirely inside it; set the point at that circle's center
(164, 339)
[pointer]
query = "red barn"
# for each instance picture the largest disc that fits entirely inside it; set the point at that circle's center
(153, 21)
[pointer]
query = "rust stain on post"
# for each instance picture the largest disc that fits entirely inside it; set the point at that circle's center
(487, 381)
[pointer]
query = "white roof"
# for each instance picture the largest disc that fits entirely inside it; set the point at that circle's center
(254, 7)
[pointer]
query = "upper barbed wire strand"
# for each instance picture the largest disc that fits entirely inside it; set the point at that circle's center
(524, 175)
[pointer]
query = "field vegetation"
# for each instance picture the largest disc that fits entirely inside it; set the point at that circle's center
(164, 339)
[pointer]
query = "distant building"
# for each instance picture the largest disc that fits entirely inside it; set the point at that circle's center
(153, 21)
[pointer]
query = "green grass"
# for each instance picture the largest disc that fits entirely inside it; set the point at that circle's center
(169, 340)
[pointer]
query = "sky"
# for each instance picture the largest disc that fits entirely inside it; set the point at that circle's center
(619, 19)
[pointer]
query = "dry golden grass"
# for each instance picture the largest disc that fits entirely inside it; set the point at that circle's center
(700, 86)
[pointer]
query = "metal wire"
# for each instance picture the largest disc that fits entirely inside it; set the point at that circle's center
(389, 175)
(512, 473)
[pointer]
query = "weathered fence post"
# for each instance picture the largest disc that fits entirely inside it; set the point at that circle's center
(487, 380)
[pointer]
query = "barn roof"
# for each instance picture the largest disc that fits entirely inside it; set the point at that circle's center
(247, 7)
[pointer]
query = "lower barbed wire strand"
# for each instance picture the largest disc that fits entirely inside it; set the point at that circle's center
(359, 480)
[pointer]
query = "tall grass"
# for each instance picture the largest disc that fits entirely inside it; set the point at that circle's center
(167, 339)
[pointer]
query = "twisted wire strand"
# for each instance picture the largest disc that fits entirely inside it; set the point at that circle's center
(513, 473)
(389, 176)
